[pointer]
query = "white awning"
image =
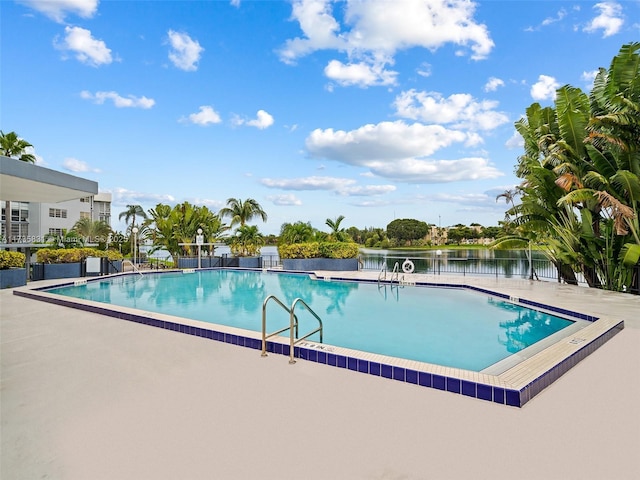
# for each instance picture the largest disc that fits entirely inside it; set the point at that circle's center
(25, 182)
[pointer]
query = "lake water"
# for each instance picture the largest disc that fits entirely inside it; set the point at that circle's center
(507, 263)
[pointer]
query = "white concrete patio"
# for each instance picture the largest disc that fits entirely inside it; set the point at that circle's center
(85, 396)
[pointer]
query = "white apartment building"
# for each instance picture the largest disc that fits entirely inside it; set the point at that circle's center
(31, 222)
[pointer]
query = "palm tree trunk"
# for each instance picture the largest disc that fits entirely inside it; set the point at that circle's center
(566, 273)
(591, 277)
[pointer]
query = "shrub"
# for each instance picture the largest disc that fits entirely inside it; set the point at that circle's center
(319, 250)
(73, 255)
(11, 259)
(299, 250)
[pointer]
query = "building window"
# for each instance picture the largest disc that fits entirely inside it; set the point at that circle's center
(57, 213)
(85, 214)
(55, 231)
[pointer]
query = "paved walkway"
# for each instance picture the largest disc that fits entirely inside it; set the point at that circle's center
(85, 396)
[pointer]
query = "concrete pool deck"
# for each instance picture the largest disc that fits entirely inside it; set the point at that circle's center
(84, 396)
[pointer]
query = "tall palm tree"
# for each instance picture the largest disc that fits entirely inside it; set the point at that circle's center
(14, 147)
(509, 195)
(240, 212)
(131, 213)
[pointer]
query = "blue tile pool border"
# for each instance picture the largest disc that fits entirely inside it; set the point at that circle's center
(492, 393)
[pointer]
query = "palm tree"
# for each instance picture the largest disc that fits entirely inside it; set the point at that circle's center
(93, 231)
(247, 241)
(509, 195)
(67, 239)
(131, 213)
(168, 227)
(242, 212)
(337, 233)
(298, 232)
(14, 147)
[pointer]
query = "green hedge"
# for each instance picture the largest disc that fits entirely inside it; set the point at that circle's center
(72, 255)
(319, 250)
(11, 259)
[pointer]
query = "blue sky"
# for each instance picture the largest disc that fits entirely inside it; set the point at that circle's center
(374, 110)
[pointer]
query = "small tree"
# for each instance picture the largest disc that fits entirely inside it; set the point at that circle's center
(298, 232)
(337, 234)
(247, 241)
(406, 230)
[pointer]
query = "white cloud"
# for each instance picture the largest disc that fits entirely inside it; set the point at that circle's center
(130, 101)
(263, 120)
(285, 200)
(367, 190)
(86, 48)
(372, 33)
(473, 199)
(396, 150)
(209, 203)
(460, 110)
(78, 166)
(545, 88)
(40, 161)
(560, 15)
(122, 196)
(206, 116)
(515, 141)
(57, 10)
(359, 74)
(492, 84)
(318, 26)
(382, 141)
(589, 77)
(424, 70)
(308, 183)
(414, 170)
(610, 19)
(184, 53)
(341, 186)
(235, 3)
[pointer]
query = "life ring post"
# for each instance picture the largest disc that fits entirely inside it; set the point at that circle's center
(408, 266)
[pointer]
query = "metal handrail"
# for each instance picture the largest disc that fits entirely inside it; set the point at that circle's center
(264, 322)
(293, 325)
(135, 269)
(293, 318)
(396, 271)
(383, 270)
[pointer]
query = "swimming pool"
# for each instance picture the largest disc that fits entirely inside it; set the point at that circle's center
(450, 327)
(512, 381)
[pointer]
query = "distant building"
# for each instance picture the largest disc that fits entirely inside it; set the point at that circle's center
(31, 222)
(437, 235)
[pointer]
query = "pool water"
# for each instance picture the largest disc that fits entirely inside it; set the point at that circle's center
(445, 326)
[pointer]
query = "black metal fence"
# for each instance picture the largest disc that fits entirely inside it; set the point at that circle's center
(541, 269)
(537, 269)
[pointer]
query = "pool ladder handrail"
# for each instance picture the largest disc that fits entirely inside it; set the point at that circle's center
(135, 269)
(293, 325)
(395, 274)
